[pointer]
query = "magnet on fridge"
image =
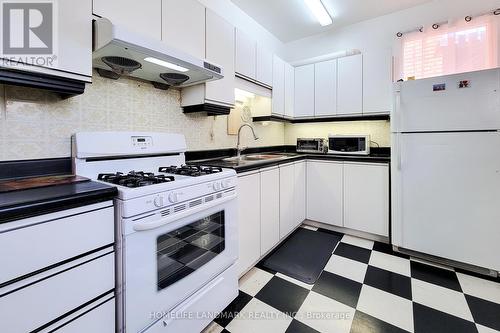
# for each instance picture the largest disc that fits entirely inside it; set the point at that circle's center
(464, 84)
(439, 87)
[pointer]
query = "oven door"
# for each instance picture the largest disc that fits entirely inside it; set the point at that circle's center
(167, 260)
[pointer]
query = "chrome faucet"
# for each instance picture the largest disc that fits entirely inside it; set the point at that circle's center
(239, 149)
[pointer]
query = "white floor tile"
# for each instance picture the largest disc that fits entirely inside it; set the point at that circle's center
(348, 268)
(325, 314)
(390, 308)
(390, 263)
(484, 329)
(297, 282)
(440, 298)
(253, 281)
(481, 288)
(361, 242)
(213, 328)
(257, 316)
(308, 227)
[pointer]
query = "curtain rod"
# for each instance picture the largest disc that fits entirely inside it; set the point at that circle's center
(436, 26)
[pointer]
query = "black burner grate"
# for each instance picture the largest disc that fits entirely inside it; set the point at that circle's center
(134, 178)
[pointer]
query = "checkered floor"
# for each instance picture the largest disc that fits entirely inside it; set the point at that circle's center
(365, 287)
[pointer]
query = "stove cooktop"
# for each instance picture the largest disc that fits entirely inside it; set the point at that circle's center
(190, 170)
(134, 178)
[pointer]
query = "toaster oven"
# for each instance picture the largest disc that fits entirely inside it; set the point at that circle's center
(311, 145)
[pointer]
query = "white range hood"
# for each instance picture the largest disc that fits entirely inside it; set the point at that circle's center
(118, 52)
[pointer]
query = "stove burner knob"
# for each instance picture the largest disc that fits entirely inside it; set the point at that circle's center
(158, 202)
(216, 186)
(173, 197)
(225, 183)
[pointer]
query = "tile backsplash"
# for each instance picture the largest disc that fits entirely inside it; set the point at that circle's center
(379, 131)
(37, 124)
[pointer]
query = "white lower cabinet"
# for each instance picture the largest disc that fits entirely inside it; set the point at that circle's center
(300, 192)
(366, 198)
(350, 195)
(269, 209)
(287, 199)
(324, 192)
(248, 220)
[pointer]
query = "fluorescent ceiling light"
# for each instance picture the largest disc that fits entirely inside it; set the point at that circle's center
(319, 11)
(166, 64)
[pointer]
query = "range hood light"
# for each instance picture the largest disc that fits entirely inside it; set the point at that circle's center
(166, 64)
(319, 11)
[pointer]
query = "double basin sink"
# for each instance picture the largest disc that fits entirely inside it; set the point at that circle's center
(254, 158)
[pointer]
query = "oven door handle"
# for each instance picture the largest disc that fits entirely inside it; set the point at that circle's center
(145, 226)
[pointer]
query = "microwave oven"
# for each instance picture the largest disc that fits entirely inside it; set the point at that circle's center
(349, 144)
(311, 145)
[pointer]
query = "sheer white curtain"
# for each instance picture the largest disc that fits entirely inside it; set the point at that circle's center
(452, 48)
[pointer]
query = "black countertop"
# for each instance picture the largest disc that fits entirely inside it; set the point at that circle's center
(19, 204)
(216, 158)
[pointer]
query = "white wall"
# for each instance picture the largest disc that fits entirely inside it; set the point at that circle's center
(381, 32)
(234, 15)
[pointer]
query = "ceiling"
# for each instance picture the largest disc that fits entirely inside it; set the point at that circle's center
(290, 20)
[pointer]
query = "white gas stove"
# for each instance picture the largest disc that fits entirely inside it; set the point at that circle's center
(175, 229)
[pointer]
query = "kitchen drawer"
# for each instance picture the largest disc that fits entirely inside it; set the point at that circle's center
(194, 314)
(99, 319)
(39, 300)
(32, 244)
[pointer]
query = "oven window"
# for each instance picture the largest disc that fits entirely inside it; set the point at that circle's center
(182, 251)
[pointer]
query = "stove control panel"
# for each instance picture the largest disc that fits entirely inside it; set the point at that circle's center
(176, 196)
(142, 142)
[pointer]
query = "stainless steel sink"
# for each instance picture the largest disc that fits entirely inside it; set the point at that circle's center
(257, 157)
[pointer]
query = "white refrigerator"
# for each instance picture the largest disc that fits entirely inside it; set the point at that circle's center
(445, 169)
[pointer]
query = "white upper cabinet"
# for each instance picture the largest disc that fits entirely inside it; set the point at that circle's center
(220, 50)
(325, 92)
(350, 85)
(278, 86)
(304, 91)
(289, 90)
(264, 66)
(142, 17)
(191, 38)
(366, 198)
(246, 52)
(377, 81)
(74, 52)
(325, 192)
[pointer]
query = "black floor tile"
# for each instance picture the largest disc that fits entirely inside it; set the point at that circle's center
(283, 295)
(353, 252)
(297, 327)
(484, 312)
(230, 312)
(387, 249)
(338, 288)
(428, 320)
(390, 282)
(363, 323)
(435, 275)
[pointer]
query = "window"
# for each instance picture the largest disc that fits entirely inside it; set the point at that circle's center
(452, 48)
